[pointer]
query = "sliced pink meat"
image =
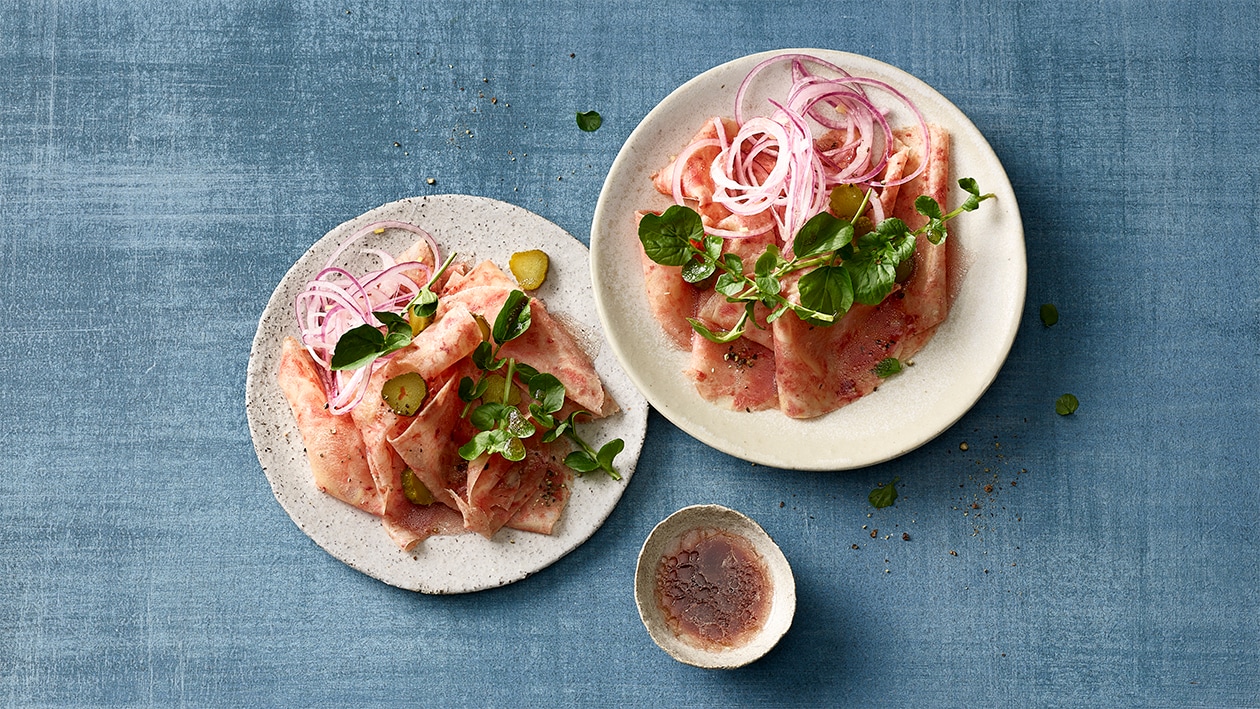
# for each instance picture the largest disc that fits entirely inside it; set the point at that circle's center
(542, 510)
(697, 183)
(546, 345)
(451, 337)
(485, 273)
(671, 299)
(429, 445)
(820, 369)
(334, 446)
(498, 488)
(739, 374)
(409, 524)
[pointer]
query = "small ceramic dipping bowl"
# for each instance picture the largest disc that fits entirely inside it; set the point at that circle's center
(713, 589)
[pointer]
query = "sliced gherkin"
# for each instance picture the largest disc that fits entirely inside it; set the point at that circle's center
(404, 394)
(414, 489)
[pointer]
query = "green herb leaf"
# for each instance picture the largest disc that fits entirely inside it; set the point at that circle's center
(820, 234)
(729, 285)
(357, 348)
(883, 496)
(483, 357)
(722, 338)
(548, 392)
(525, 373)
(1049, 314)
(826, 289)
(490, 415)
(606, 455)
(589, 121)
(872, 280)
(581, 461)
(471, 391)
(1066, 405)
(425, 303)
(667, 238)
(697, 270)
(518, 425)
(887, 367)
(928, 207)
(513, 319)
(768, 261)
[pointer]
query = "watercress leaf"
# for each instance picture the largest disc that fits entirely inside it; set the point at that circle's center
(884, 495)
(525, 373)
(891, 228)
(718, 337)
(928, 207)
(390, 320)
(518, 425)
(713, 246)
(872, 281)
(425, 304)
(768, 261)
(827, 289)
(822, 233)
(935, 230)
(697, 270)
(542, 418)
(902, 250)
(776, 313)
(478, 445)
(734, 264)
(357, 347)
(970, 186)
(488, 416)
(548, 392)
(1066, 405)
(887, 367)
(395, 341)
(606, 455)
(467, 389)
(483, 357)
(581, 462)
(667, 237)
(589, 121)
(768, 286)
(729, 285)
(513, 319)
(512, 449)
(1049, 314)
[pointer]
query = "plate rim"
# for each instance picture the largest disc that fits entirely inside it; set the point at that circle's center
(1009, 327)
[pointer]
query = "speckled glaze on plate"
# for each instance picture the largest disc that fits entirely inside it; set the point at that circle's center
(478, 228)
(782, 586)
(949, 374)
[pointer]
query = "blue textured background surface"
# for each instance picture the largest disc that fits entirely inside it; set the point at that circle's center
(161, 167)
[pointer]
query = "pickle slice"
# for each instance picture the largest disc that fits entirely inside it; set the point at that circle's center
(494, 390)
(484, 326)
(414, 489)
(529, 267)
(405, 393)
(845, 200)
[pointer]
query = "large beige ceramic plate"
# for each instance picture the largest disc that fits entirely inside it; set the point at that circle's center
(950, 373)
(478, 228)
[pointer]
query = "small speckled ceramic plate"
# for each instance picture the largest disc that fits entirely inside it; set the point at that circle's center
(950, 373)
(479, 229)
(782, 585)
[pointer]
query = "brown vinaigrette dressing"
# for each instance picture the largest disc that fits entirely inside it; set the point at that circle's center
(713, 589)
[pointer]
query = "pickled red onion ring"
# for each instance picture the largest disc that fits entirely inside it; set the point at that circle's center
(336, 301)
(774, 162)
